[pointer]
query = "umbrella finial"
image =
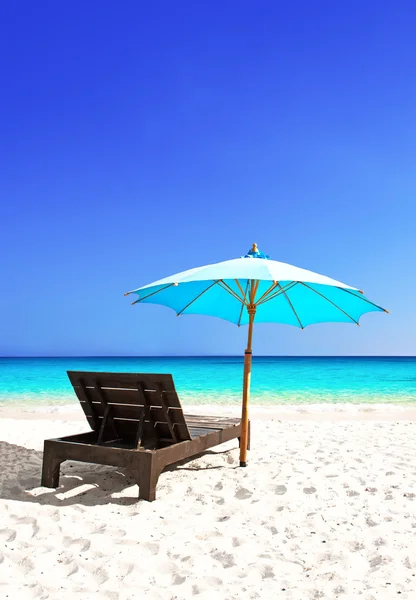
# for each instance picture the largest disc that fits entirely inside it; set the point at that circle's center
(254, 252)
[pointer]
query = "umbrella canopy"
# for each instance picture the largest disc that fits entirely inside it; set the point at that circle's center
(255, 288)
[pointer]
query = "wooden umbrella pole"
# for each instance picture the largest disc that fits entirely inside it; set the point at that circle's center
(246, 386)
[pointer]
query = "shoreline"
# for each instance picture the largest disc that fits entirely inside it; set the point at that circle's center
(292, 412)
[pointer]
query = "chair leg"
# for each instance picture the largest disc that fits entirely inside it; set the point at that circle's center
(147, 476)
(50, 469)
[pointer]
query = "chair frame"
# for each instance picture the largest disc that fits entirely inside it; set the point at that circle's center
(141, 444)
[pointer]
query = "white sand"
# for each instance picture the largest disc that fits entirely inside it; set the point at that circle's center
(325, 509)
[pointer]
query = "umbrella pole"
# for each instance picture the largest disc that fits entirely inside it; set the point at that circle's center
(246, 389)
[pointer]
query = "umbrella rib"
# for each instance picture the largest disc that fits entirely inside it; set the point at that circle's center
(242, 306)
(256, 287)
(251, 291)
(197, 298)
(287, 287)
(363, 299)
(241, 289)
(227, 288)
(153, 293)
(291, 305)
(269, 290)
(330, 301)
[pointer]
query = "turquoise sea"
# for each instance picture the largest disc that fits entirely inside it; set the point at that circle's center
(275, 380)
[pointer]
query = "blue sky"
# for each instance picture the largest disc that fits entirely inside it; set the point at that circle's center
(140, 139)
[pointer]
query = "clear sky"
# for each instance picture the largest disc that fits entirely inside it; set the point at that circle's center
(138, 139)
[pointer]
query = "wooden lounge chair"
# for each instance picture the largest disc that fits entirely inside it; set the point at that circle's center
(137, 423)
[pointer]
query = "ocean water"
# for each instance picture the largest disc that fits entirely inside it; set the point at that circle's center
(218, 380)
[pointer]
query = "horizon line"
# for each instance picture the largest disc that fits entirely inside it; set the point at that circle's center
(213, 356)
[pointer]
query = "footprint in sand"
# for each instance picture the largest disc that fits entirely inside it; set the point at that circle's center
(243, 494)
(185, 559)
(268, 573)
(218, 487)
(227, 560)
(379, 542)
(309, 490)
(26, 565)
(129, 569)
(7, 535)
(73, 568)
(100, 529)
(84, 544)
(214, 582)
(376, 562)
(280, 490)
(152, 547)
(29, 521)
(100, 575)
(222, 519)
(111, 595)
(339, 590)
(351, 493)
(356, 546)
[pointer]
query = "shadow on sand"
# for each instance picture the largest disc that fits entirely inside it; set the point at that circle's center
(80, 483)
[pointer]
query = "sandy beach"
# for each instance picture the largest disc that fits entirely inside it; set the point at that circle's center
(325, 509)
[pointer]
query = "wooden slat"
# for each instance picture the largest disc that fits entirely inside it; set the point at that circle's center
(122, 380)
(198, 431)
(134, 412)
(212, 419)
(129, 396)
(149, 431)
(104, 425)
(165, 410)
(121, 411)
(192, 419)
(212, 427)
(139, 437)
(171, 398)
(107, 429)
(131, 411)
(163, 431)
(155, 422)
(82, 395)
(129, 428)
(120, 396)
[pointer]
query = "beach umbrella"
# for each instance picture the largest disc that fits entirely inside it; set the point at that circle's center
(255, 288)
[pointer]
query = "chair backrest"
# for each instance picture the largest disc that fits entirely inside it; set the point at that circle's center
(143, 408)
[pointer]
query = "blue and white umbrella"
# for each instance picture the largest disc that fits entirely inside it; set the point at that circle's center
(255, 288)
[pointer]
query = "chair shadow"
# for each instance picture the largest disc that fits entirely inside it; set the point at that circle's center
(21, 473)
